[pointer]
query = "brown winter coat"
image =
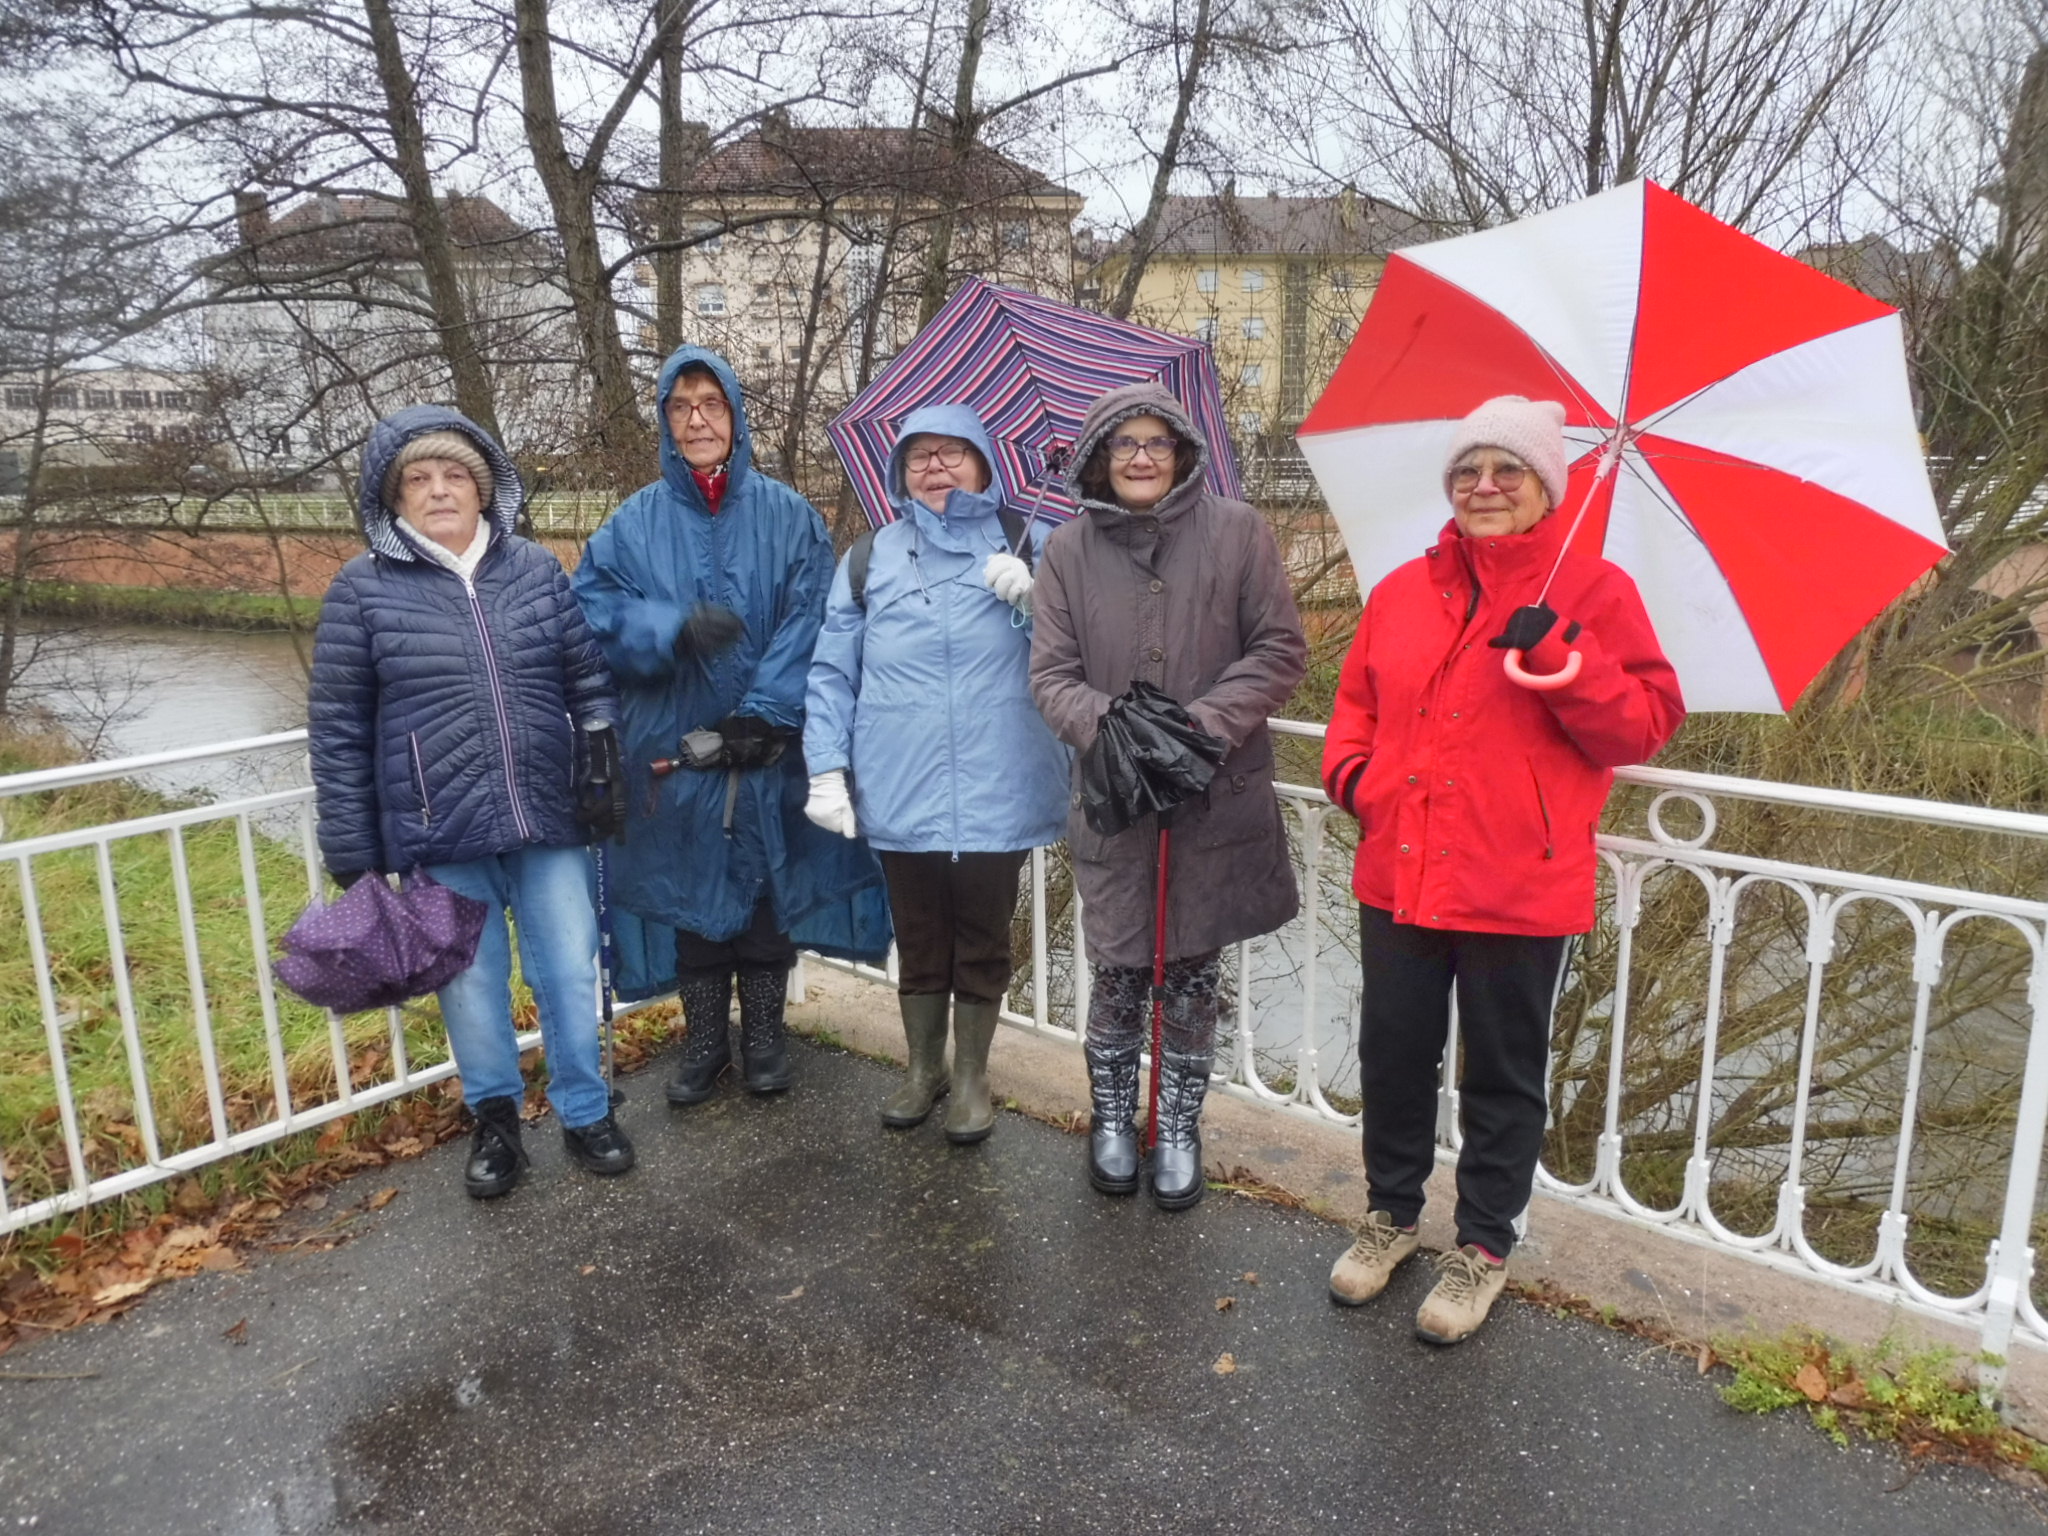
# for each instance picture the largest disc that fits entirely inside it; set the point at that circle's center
(1191, 596)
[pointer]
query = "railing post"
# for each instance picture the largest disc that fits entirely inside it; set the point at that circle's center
(2011, 1263)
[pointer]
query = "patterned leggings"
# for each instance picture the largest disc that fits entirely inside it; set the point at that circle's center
(1120, 1012)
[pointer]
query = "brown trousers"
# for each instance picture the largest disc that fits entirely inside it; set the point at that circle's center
(953, 921)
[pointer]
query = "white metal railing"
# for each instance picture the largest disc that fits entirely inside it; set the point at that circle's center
(1295, 1038)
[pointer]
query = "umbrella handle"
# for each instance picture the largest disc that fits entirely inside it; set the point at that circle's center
(1541, 682)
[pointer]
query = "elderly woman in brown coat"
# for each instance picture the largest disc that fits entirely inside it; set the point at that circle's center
(1162, 580)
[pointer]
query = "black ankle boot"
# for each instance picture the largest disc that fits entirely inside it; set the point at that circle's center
(1112, 1130)
(599, 1146)
(495, 1155)
(764, 1043)
(1177, 1155)
(706, 997)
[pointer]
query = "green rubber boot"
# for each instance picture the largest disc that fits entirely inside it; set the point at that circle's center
(924, 1028)
(970, 1117)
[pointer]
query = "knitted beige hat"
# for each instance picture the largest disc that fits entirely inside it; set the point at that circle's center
(440, 445)
(1532, 430)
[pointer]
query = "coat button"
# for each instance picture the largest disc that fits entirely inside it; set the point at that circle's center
(1423, 710)
(1411, 778)
(1237, 782)
(1158, 654)
(1446, 853)
(1403, 912)
(1454, 714)
(1447, 597)
(1158, 586)
(1450, 783)
(1404, 847)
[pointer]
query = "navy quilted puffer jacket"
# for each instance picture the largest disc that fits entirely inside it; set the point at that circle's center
(443, 713)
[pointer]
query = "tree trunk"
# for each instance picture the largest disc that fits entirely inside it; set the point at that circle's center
(1147, 232)
(668, 215)
(621, 434)
(473, 395)
(959, 150)
(802, 388)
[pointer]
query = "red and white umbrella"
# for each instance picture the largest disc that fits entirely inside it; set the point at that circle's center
(1748, 451)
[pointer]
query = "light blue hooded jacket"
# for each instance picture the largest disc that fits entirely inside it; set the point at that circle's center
(926, 696)
(766, 556)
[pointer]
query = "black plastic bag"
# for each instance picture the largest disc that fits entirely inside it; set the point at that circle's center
(1148, 756)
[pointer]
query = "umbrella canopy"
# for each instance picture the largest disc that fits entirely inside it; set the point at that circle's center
(375, 947)
(1030, 368)
(1747, 449)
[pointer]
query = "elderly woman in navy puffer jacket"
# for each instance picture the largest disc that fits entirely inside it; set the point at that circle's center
(920, 734)
(462, 722)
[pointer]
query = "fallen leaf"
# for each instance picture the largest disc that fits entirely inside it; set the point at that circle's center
(70, 1244)
(181, 1238)
(1707, 1358)
(219, 1259)
(190, 1197)
(588, 1269)
(382, 1198)
(405, 1146)
(792, 1296)
(1851, 1394)
(1251, 1277)
(1225, 1303)
(239, 1334)
(1226, 1364)
(316, 1201)
(266, 1210)
(332, 1139)
(1811, 1382)
(114, 1293)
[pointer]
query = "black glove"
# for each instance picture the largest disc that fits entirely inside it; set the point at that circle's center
(1526, 628)
(601, 784)
(346, 877)
(709, 631)
(750, 741)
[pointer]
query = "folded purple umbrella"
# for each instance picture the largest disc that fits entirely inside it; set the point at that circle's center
(376, 947)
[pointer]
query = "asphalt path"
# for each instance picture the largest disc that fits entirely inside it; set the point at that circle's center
(789, 1320)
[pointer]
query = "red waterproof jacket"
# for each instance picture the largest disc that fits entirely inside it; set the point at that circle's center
(1477, 799)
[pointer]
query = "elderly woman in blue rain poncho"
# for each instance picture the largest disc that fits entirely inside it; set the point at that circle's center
(705, 591)
(920, 735)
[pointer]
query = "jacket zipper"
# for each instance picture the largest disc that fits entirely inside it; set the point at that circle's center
(476, 609)
(952, 745)
(419, 772)
(1549, 844)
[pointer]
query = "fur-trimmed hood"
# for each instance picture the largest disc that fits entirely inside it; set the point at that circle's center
(380, 523)
(1120, 405)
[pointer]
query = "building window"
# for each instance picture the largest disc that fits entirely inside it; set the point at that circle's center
(1254, 280)
(710, 299)
(643, 274)
(763, 291)
(763, 353)
(1251, 375)
(1016, 234)
(99, 399)
(791, 228)
(140, 432)
(711, 239)
(1205, 328)
(135, 400)
(1254, 329)
(19, 399)
(1340, 329)
(1340, 279)
(173, 399)
(1205, 280)
(64, 399)
(1251, 423)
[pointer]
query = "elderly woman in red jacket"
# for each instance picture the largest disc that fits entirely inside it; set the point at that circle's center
(1477, 799)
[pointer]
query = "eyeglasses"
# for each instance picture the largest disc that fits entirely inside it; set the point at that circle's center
(714, 411)
(1124, 449)
(1507, 477)
(945, 455)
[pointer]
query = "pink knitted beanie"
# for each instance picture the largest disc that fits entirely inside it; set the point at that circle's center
(1532, 430)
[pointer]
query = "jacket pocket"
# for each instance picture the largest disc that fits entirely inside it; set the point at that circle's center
(1542, 810)
(1240, 806)
(419, 778)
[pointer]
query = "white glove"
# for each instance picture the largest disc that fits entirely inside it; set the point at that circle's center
(1010, 579)
(830, 806)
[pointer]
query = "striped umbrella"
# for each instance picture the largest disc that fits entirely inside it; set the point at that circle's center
(1030, 368)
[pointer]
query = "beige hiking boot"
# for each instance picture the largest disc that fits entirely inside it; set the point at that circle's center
(1370, 1262)
(1468, 1283)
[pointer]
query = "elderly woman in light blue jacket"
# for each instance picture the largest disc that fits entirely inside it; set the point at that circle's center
(920, 735)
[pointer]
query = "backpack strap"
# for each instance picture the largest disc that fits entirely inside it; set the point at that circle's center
(857, 559)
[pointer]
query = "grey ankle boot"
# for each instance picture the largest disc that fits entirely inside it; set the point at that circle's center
(1112, 1130)
(970, 1117)
(706, 997)
(924, 1031)
(1177, 1155)
(764, 1042)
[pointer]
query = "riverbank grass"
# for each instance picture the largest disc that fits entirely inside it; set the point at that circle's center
(247, 612)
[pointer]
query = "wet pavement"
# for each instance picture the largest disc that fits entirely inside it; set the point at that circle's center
(788, 1320)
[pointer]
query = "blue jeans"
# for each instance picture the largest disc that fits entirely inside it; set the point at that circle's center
(550, 893)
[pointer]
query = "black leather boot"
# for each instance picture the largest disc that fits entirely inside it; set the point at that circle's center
(1177, 1154)
(1112, 1130)
(495, 1155)
(764, 1043)
(599, 1146)
(706, 997)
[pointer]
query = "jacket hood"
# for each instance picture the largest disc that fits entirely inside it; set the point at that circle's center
(1149, 398)
(380, 523)
(675, 469)
(959, 421)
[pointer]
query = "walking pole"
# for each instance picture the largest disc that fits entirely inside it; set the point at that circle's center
(604, 971)
(1159, 977)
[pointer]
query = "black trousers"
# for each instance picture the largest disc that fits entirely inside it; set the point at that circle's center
(1506, 986)
(760, 946)
(952, 920)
